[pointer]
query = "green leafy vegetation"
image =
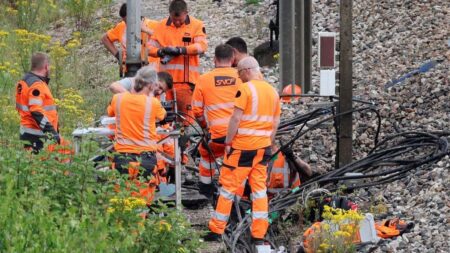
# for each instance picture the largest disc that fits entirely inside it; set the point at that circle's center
(48, 204)
(252, 1)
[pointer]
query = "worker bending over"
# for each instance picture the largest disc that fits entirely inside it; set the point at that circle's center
(250, 134)
(165, 82)
(179, 40)
(135, 135)
(36, 105)
(119, 34)
(286, 171)
(213, 104)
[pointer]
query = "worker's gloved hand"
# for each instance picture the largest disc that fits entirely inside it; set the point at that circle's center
(287, 151)
(160, 52)
(174, 51)
(117, 55)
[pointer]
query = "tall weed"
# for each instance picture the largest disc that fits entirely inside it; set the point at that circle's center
(84, 10)
(48, 206)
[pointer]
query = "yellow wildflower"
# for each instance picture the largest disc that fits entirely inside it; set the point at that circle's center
(21, 32)
(73, 44)
(340, 233)
(3, 33)
(324, 246)
(11, 11)
(164, 226)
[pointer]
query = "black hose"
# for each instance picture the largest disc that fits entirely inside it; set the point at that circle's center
(390, 160)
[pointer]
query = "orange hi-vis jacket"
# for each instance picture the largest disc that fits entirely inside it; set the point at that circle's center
(280, 176)
(183, 68)
(261, 106)
(36, 106)
(119, 34)
(213, 99)
(136, 116)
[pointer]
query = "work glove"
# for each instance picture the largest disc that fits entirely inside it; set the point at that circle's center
(160, 52)
(287, 151)
(174, 51)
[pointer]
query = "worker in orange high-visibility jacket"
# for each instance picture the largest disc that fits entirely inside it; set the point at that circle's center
(213, 104)
(180, 38)
(250, 134)
(286, 171)
(119, 34)
(135, 135)
(165, 82)
(36, 105)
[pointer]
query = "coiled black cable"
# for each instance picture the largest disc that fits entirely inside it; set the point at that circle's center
(390, 160)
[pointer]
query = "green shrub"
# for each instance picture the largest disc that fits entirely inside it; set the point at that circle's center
(49, 206)
(46, 205)
(83, 10)
(28, 14)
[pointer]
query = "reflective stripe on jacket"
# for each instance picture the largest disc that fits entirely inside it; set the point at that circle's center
(280, 176)
(261, 107)
(119, 34)
(136, 116)
(33, 96)
(213, 99)
(183, 68)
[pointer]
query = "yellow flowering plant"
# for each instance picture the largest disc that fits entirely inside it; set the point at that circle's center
(29, 14)
(71, 112)
(62, 207)
(125, 204)
(337, 232)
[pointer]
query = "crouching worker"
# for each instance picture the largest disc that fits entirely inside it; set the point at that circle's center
(135, 136)
(286, 171)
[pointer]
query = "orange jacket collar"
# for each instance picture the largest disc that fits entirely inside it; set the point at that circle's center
(187, 21)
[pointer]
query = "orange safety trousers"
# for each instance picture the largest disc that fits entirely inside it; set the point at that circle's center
(145, 190)
(237, 167)
(207, 166)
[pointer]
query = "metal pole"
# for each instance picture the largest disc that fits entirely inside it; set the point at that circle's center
(299, 44)
(133, 61)
(177, 171)
(345, 84)
(307, 44)
(287, 63)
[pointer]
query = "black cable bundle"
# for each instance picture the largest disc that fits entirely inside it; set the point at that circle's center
(390, 160)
